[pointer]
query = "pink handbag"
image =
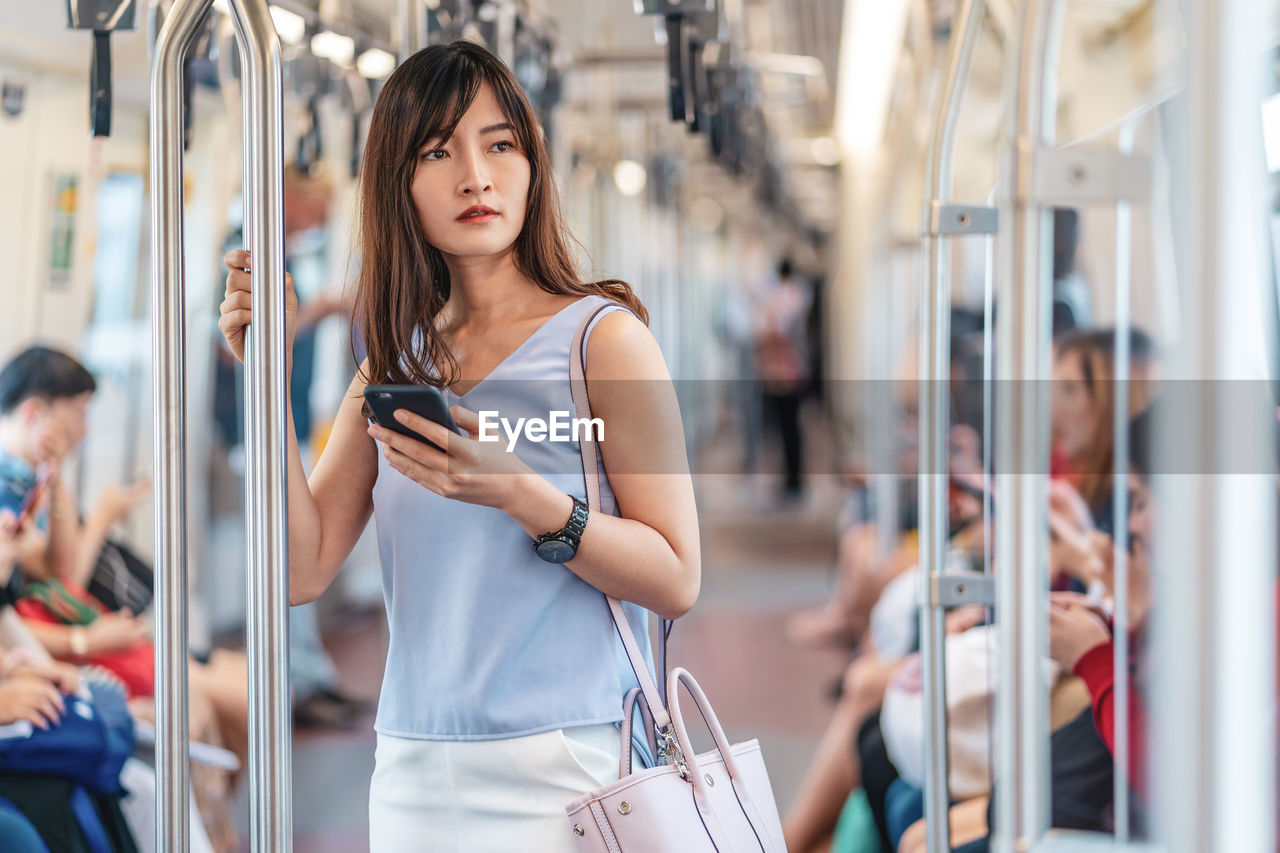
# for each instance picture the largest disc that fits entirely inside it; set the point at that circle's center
(720, 800)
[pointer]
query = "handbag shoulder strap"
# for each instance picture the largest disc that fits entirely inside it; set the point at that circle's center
(591, 470)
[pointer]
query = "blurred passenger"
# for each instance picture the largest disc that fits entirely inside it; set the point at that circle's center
(835, 771)
(782, 361)
(863, 569)
(1083, 435)
(318, 700)
(44, 399)
(1080, 640)
(1083, 406)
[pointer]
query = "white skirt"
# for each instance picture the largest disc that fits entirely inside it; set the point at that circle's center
(487, 795)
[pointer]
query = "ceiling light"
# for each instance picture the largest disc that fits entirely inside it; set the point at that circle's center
(291, 26)
(869, 50)
(376, 64)
(340, 50)
(221, 6)
(630, 177)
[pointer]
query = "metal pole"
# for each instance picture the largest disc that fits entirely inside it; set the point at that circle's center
(411, 28)
(1120, 492)
(266, 444)
(935, 355)
(168, 348)
(1022, 437)
(1214, 749)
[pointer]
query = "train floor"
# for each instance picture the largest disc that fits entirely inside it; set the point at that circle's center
(762, 562)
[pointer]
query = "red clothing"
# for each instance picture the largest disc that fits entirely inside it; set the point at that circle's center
(134, 666)
(1097, 669)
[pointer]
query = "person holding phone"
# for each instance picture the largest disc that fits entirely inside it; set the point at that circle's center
(504, 677)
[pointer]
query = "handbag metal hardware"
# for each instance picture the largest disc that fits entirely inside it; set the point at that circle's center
(669, 752)
(624, 807)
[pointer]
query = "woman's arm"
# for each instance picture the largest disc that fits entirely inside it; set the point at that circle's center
(114, 506)
(1096, 668)
(328, 513)
(650, 555)
(64, 529)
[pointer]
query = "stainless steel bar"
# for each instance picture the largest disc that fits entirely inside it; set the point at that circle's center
(1023, 346)
(168, 348)
(411, 27)
(1120, 493)
(935, 355)
(266, 444)
(1213, 771)
(988, 395)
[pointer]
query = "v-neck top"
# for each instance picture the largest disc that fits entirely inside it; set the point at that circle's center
(488, 640)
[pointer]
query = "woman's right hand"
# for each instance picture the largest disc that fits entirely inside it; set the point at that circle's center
(114, 632)
(236, 307)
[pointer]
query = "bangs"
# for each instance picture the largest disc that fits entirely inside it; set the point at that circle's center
(461, 76)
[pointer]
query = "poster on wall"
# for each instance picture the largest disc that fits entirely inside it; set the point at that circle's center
(62, 229)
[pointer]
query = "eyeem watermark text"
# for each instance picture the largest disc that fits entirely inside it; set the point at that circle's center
(559, 427)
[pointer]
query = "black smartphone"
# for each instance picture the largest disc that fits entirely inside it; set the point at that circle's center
(423, 400)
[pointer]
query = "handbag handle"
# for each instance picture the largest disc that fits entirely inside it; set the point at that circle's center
(591, 471)
(679, 676)
(628, 711)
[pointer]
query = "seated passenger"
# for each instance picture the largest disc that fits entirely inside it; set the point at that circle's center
(36, 812)
(44, 397)
(1083, 410)
(835, 772)
(1081, 640)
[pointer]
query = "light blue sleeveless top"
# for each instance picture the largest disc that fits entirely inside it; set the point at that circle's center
(488, 640)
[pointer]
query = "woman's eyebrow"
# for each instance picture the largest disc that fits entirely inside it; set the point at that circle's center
(493, 128)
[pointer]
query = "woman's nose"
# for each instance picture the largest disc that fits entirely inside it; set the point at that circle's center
(475, 177)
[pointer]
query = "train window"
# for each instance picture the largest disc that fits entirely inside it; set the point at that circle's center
(118, 291)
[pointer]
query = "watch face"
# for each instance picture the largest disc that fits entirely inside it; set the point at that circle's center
(555, 551)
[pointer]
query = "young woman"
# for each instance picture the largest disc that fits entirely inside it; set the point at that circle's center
(1083, 403)
(504, 676)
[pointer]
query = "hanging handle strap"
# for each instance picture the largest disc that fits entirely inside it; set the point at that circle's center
(591, 471)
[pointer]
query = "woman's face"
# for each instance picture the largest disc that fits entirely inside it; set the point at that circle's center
(1074, 413)
(1142, 521)
(471, 190)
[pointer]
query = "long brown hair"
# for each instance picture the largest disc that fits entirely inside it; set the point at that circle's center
(1096, 350)
(404, 282)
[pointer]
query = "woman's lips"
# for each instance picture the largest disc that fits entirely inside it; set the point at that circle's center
(478, 214)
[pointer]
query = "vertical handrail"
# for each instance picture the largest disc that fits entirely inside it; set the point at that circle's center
(168, 348)
(1213, 780)
(411, 28)
(266, 444)
(1024, 287)
(935, 354)
(1120, 488)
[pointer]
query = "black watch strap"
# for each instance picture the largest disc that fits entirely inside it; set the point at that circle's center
(559, 546)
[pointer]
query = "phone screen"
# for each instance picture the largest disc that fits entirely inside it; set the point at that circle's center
(32, 502)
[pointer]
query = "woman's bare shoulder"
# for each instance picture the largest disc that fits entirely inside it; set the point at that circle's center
(622, 347)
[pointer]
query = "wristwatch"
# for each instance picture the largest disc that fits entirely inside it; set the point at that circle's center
(559, 546)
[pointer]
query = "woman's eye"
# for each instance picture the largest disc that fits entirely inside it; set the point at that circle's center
(503, 147)
(433, 154)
